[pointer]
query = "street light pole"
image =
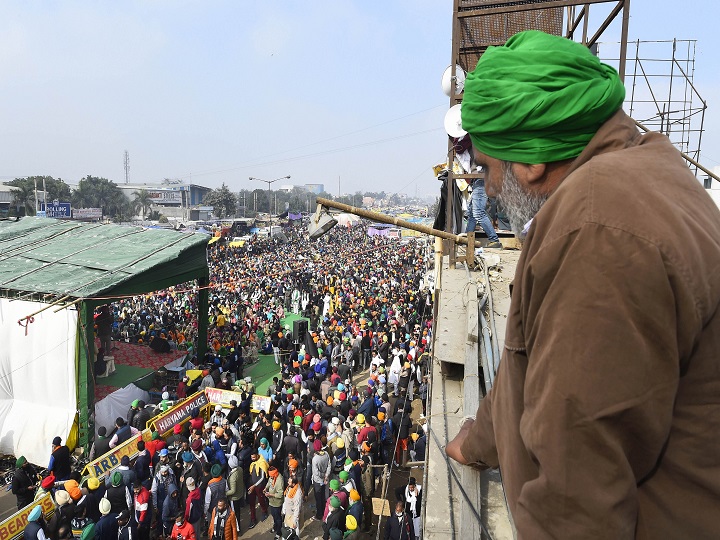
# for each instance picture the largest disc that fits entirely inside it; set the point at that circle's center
(269, 183)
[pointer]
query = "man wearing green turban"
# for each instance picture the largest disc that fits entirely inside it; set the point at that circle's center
(604, 414)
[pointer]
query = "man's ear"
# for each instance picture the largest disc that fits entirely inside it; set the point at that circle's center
(528, 174)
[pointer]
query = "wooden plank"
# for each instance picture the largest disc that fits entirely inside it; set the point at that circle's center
(469, 526)
(470, 250)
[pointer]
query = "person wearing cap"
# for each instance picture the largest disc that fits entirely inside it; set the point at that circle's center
(191, 467)
(35, 528)
(182, 388)
(334, 518)
(216, 488)
(101, 444)
(163, 478)
(321, 468)
(335, 489)
(23, 482)
(142, 417)
(417, 446)
(60, 464)
(46, 486)
(218, 415)
(347, 482)
(355, 508)
(207, 380)
(118, 494)
(106, 528)
(235, 491)
(132, 411)
(126, 526)
(124, 469)
(411, 495)
(258, 478)
(274, 491)
(193, 507)
(143, 509)
(153, 446)
(170, 509)
(351, 527)
(615, 229)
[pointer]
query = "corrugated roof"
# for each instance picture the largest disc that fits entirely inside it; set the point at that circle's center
(42, 256)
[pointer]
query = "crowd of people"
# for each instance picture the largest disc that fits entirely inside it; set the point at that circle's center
(343, 283)
(340, 406)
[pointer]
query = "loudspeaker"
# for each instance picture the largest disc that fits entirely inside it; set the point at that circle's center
(300, 328)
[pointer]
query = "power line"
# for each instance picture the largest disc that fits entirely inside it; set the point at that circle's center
(321, 141)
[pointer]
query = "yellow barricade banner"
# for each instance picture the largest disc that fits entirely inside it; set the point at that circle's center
(105, 464)
(164, 423)
(13, 527)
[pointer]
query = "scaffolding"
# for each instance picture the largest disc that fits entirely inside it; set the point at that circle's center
(662, 95)
(479, 24)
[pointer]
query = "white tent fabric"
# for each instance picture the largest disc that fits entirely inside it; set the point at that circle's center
(38, 390)
(117, 404)
(347, 220)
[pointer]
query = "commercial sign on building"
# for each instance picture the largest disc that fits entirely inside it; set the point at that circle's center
(107, 463)
(179, 413)
(87, 213)
(13, 527)
(56, 209)
(165, 196)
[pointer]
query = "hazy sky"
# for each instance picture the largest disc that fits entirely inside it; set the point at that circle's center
(217, 91)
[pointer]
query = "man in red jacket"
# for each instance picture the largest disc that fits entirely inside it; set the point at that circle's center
(182, 530)
(143, 510)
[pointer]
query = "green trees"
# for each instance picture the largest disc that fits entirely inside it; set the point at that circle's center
(93, 192)
(222, 200)
(24, 196)
(142, 201)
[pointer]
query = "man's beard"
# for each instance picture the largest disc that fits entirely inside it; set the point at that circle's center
(519, 205)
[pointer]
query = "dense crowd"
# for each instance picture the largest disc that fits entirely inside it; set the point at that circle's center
(322, 446)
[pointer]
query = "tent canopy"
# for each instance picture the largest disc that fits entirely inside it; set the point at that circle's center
(52, 262)
(45, 258)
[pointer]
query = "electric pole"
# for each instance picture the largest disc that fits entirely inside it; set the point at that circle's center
(126, 163)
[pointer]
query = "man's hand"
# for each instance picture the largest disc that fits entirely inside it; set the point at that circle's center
(452, 449)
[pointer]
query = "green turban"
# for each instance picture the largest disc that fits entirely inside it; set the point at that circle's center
(334, 485)
(335, 502)
(538, 99)
(117, 479)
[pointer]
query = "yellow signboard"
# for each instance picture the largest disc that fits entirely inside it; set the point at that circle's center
(179, 414)
(107, 463)
(14, 526)
(260, 403)
(222, 397)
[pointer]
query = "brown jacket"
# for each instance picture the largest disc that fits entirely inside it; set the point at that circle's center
(605, 414)
(230, 525)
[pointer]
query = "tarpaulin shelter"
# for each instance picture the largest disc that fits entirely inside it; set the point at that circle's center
(53, 273)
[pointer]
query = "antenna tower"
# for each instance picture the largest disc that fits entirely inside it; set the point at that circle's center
(126, 164)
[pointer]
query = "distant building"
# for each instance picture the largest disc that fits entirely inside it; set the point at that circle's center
(368, 201)
(172, 200)
(317, 189)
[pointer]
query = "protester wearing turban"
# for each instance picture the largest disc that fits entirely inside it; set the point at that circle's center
(616, 229)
